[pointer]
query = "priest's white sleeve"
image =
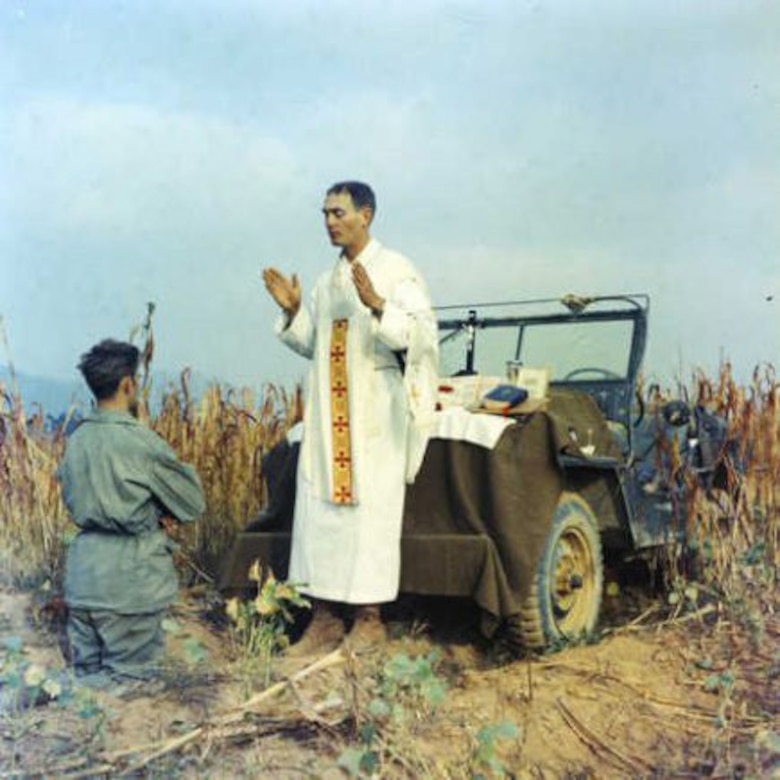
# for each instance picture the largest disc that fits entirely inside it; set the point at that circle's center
(297, 333)
(394, 327)
(408, 323)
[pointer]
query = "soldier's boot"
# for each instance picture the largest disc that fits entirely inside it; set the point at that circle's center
(368, 632)
(323, 634)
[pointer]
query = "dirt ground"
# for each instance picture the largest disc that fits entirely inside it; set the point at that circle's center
(692, 696)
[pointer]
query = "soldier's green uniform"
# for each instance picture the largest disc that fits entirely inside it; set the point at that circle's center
(118, 479)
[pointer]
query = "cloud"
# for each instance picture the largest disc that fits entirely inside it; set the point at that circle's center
(111, 205)
(109, 167)
(699, 311)
(518, 149)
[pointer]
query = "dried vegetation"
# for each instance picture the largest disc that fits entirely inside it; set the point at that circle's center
(722, 583)
(224, 434)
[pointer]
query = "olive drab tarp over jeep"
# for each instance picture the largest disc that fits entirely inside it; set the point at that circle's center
(521, 523)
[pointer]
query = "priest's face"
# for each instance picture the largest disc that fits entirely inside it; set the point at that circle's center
(347, 226)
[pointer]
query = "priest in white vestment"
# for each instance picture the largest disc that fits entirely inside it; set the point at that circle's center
(371, 336)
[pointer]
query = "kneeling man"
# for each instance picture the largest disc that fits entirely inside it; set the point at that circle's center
(122, 485)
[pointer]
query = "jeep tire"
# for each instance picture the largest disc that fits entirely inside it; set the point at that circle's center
(565, 598)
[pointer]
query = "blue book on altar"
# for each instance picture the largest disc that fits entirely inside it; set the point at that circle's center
(504, 397)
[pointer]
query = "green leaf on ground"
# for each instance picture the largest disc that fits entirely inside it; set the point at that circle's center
(194, 652)
(13, 644)
(712, 683)
(769, 741)
(379, 708)
(350, 759)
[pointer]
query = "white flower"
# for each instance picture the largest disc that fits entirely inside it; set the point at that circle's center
(254, 571)
(232, 609)
(34, 675)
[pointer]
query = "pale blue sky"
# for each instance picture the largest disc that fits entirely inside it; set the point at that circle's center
(168, 150)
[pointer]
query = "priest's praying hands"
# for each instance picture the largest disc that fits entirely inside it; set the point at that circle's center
(286, 292)
(365, 289)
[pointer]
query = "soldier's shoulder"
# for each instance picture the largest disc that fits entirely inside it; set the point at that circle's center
(149, 437)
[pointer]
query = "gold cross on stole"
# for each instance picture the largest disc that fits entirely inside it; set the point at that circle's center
(339, 415)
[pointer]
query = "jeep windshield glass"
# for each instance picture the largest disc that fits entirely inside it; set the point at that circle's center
(582, 350)
(578, 350)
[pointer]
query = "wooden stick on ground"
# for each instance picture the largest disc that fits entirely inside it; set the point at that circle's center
(676, 619)
(599, 747)
(168, 747)
(685, 709)
(637, 624)
(108, 760)
(332, 659)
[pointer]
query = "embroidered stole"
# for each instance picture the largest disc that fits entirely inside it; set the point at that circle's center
(342, 488)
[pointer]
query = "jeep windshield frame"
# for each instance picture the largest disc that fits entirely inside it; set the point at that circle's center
(510, 327)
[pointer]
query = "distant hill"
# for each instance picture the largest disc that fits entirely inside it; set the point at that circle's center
(54, 395)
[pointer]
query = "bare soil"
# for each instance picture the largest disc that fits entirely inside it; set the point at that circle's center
(644, 701)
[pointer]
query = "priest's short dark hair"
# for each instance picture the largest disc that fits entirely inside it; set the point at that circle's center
(362, 195)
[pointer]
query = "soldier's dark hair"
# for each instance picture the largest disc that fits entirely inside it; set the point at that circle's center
(362, 195)
(106, 364)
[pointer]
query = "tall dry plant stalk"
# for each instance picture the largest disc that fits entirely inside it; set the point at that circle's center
(224, 435)
(33, 520)
(735, 525)
(32, 516)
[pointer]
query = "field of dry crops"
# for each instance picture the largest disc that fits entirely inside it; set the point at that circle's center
(705, 701)
(224, 434)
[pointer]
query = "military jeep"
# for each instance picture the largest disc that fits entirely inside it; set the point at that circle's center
(521, 525)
